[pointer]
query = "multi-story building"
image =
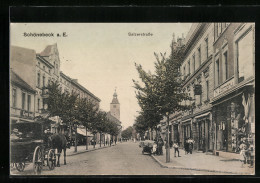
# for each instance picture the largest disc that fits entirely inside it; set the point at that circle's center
(22, 85)
(218, 72)
(36, 71)
(197, 71)
(22, 97)
(234, 84)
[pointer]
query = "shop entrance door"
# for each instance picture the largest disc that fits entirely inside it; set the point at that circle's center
(202, 135)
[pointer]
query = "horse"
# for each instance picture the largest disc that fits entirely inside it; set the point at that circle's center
(59, 142)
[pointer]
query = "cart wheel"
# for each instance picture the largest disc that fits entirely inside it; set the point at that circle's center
(37, 160)
(20, 166)
(51, 159)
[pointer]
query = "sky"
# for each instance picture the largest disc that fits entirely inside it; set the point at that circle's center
(102, 55)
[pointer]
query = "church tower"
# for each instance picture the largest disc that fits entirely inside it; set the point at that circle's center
(115, 107)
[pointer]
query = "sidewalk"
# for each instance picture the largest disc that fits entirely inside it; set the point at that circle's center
(82, 149)
(203, 162)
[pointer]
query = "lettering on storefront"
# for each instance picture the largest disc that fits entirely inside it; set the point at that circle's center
(226, 86)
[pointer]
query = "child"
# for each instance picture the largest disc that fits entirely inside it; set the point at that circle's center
(243, 151)
(154, 147)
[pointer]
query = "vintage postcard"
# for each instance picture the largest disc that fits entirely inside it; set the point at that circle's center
(132, 98)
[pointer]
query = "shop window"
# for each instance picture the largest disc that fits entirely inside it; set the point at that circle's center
(245, 57)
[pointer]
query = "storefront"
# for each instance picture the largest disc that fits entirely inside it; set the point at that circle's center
(186, 130)
(234, 120)
(201, 132)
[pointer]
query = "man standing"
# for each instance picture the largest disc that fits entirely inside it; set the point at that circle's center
(160, 145)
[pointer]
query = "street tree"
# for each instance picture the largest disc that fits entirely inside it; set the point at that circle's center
(163, 90)
(127, 133)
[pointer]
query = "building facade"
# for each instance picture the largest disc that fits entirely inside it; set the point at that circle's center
(234, 85)
(218, 73)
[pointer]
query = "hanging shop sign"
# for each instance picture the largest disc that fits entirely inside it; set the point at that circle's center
(197, 89)
(226, 86)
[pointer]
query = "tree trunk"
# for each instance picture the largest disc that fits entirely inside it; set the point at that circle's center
(104, 140)
(75, 140)
(167, 143)
(86, 138)
(100, 136)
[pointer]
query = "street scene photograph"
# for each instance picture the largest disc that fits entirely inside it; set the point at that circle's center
(132, 99)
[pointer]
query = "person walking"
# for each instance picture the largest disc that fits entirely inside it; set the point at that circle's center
(160, 146)
(186, 146)
(190, 145)
(176, 148)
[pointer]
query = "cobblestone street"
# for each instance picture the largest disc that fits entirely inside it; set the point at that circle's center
(123, 159)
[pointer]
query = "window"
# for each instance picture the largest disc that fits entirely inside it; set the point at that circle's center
(39, 64)
(217, 72)
(44, 67)
(194, 62)
(199, 56)
(189, 67)
(49, 81)
(23, 100)
(207, 90)
(245, 56)
(219, 28)
(38, 79)
(114, 106)
(29, 102)
(49, 71)
(14, 98)
(43, 81)
(38, 104)
(207, 47)
(184, 71)
(225, 73)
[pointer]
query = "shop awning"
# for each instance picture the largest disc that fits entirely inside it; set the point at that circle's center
(82, 131)
(202, 115)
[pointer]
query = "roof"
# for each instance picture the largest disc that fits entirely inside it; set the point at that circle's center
(46, 51)
(84, 89)
(20, 82)
(112, 118)
(115, 101)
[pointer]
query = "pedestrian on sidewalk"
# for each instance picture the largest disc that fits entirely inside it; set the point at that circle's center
(190, 143)
(154, 148)
(186, 146)
(160, 145)
(243, 153)
(176, 148)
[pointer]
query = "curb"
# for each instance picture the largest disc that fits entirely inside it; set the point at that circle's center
(196, 169)
(76, 153)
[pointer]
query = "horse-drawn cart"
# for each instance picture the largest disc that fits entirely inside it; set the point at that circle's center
(27, 145)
